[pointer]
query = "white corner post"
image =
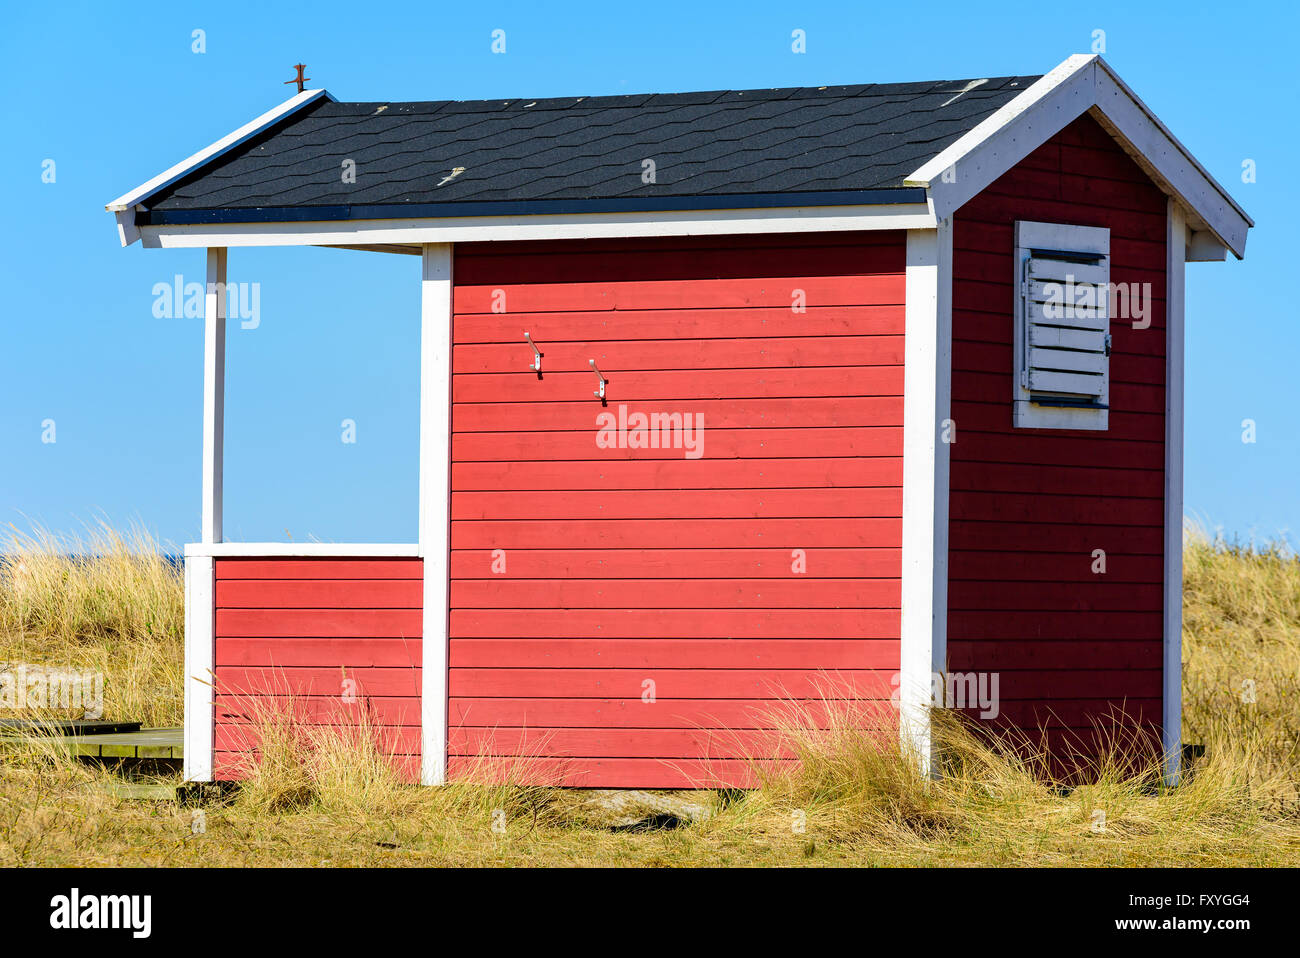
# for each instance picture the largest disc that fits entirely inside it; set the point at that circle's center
(200, 612)
(435, 503)
(928, 431)
(1172, 710)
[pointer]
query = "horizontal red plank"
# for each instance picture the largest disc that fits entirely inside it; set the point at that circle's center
(1057, 480)
(1003, 624)
(1099, 595)
(395, 740)
(617, 357)
(590, 417)
(668, 683)
(642, 385)
(793, 592)
(237, 766)
(675, 563)
(751, 443)
(678, 623)
(320, 593)
(884, 502)
(1043, 654)
(1052, 448)
(687, 258)
(869, 290)
(320, 623)
(879, 243)
(350, 653)
(830, 654)
(1054, 537)
(611, 772)
(1083, 715)
(1106, 506)
(672, 474)
(1052, 684)
(335, 681)
(681, 324)
(684, 533)
(359, 710)
(401, 568)
(664, 744)
(1027, 567)
(633, 713)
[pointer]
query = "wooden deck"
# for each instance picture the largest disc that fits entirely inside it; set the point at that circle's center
(149, 743)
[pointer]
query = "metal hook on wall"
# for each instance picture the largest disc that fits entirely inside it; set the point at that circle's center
(599, 394)
(537, 356)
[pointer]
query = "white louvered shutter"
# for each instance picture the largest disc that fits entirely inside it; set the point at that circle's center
(1062, 342)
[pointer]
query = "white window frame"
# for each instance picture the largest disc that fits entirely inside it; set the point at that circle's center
(1039, 410)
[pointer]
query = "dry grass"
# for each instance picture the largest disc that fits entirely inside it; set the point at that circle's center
(325, 795)
(120, 614)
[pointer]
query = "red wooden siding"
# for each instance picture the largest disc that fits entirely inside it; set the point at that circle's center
(1029, 506)
(290, 631)
(624, 564)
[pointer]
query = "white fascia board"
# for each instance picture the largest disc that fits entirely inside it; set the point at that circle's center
(278, 550)
(1081, 83)
(477, 229)
(129, 200)
(1008, 135)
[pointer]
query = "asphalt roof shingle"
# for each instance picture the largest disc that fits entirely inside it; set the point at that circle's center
(705, 146)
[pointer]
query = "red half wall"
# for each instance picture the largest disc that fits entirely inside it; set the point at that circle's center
(324, 641)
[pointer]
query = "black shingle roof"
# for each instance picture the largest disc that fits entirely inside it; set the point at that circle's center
(846, 144)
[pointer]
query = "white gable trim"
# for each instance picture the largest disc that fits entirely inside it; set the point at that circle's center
(140, 194)
(1082, 83)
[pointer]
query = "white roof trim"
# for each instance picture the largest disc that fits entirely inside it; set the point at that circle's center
(1082, 83)
(141, 193)
(470, 229)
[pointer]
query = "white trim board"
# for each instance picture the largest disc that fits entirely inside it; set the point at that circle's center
(143, 192)
(435, 503)
(467, 229)
(927, 402)
(1083, 83)
(200, 629)
(277, 550)
(1172, 708)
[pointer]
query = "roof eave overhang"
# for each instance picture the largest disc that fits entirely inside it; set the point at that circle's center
(1086, 84)
(128, 204)
(641, 204)
(412, 231)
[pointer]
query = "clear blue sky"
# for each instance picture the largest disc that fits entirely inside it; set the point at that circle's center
(114, 94)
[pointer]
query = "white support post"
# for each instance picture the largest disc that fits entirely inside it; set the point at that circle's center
(200, 587)
(1172, 710)
(927, 434)
(214, 391)
(435, 502)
